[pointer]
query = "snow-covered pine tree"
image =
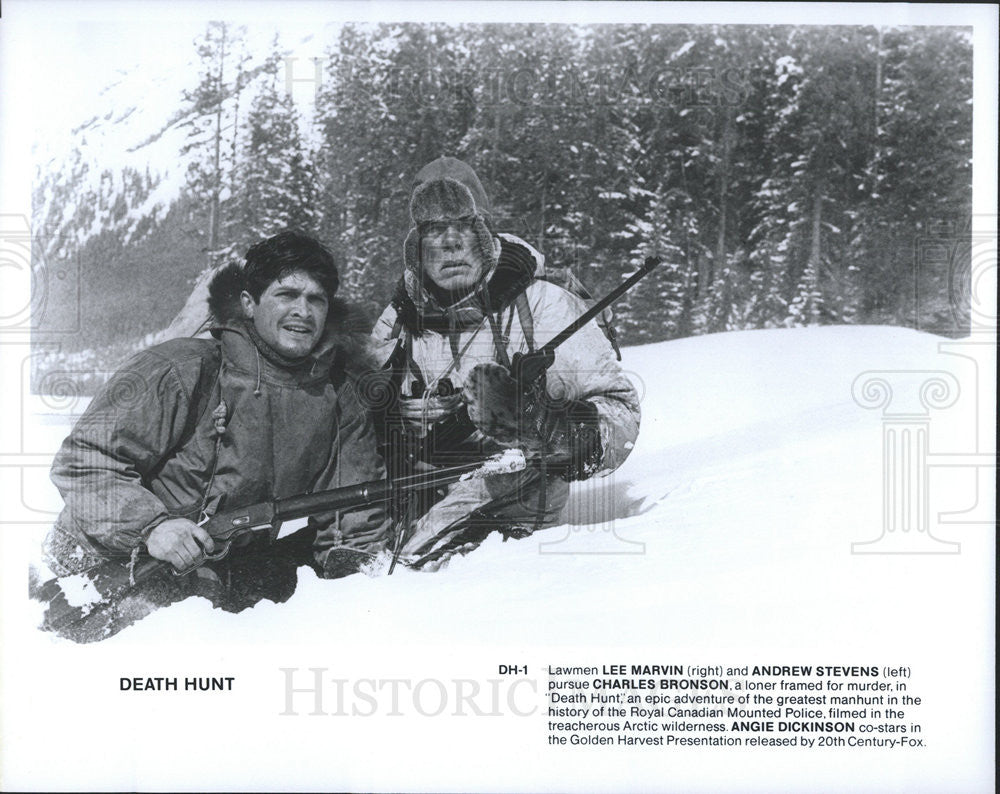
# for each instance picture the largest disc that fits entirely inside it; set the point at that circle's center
(807, 306)
(275, 184)
(383, 114)
(910, 220)
(212, 123)
(661, 306)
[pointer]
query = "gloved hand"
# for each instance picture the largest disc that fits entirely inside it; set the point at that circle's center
(422, 413)
(569, 430)
(498, 408)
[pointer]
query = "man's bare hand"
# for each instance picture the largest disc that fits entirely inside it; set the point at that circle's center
(180, 542)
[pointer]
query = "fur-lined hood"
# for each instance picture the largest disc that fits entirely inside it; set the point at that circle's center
(517, 266)
(345, 342)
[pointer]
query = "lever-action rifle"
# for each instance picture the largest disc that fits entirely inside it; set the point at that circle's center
(526, 369)
(71, 598)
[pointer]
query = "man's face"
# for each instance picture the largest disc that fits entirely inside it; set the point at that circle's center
(290, 315)
(450, 255)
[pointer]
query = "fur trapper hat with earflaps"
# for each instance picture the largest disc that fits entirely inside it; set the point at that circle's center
(448, 189)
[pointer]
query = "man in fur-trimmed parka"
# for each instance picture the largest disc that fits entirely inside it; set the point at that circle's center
(468, 300)
(265, 409)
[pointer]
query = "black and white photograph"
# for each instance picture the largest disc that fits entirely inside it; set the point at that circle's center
(498, 396)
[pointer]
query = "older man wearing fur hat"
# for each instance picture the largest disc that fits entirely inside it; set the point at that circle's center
(468, 300)
(267, 408)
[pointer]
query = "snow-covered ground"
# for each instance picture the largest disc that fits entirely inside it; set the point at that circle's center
(726, 538)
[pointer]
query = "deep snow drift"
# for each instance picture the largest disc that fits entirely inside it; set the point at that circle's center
(754, 473)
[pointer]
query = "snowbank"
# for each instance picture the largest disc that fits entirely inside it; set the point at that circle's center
(754, 473)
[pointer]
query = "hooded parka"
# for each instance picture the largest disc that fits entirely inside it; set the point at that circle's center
(426, 342)
(193, 426)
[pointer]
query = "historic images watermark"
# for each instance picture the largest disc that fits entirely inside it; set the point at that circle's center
(905, 456)
(39, 285)
(314, 692)
(964, 256)
(956, 261)
(559, 85)
(39, 309)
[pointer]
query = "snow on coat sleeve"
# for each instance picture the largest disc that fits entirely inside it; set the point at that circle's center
(132, 424)
(586, 368)
(354, 460)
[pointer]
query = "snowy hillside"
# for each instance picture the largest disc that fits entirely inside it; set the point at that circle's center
(726, 536)
(119, 163)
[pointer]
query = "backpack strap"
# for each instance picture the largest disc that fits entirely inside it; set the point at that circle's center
(499, 342)
(208, 387)
(207, 396)
(401, 357)
(612, 335)
(524, 317)
(411, 364)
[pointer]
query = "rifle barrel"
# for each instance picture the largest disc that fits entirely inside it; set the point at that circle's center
(350, 496)
(366, 493)
(601, 305)
(113, 577)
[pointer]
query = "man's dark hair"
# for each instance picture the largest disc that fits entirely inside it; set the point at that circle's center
(289, 252)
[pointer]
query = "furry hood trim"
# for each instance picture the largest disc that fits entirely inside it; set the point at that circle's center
(345, 341)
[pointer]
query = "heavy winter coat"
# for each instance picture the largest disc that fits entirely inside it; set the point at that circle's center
(193, 426)
(451, 341)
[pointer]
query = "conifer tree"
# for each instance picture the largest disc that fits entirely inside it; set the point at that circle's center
(213, 125)
(274, 176)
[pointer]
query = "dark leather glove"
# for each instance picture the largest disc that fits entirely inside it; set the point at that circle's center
(573, 430)
(567, 430)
